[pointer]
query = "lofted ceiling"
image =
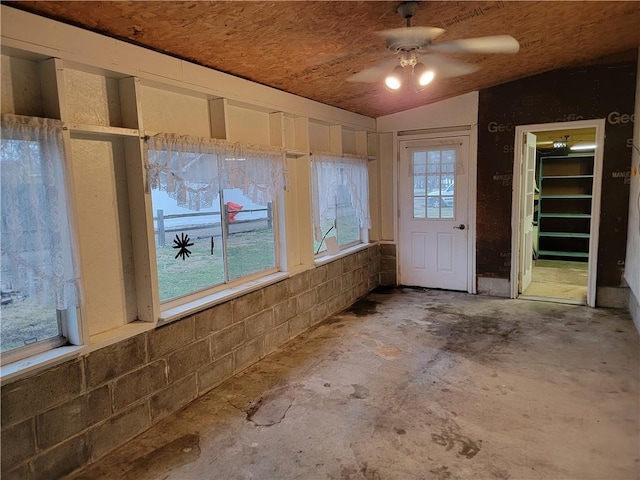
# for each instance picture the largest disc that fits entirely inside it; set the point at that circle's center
(310, 48)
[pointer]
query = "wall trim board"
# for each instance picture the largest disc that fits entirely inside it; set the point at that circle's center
(495, 287)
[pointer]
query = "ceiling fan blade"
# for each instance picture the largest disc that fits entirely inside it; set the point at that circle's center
(411, 36)
(375, 73)
(445, 67)
(491, 44)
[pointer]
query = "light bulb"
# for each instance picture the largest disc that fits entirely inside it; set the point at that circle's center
(426, 78)
(421, 76)
(393, 81)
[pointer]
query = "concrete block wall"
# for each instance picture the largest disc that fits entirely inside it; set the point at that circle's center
(388, 264)
(68, 416)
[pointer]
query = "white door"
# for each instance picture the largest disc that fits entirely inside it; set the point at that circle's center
(526, 225)
(433, 203)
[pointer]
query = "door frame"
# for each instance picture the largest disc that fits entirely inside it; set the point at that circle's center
(594, 231)
(470, 131)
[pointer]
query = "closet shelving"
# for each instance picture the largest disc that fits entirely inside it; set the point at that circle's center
(564, 218)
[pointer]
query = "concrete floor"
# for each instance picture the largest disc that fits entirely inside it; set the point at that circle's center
(413, 384)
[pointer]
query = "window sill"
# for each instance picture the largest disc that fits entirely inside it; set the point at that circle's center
(32, 365)
(342, 253)
(195, 306)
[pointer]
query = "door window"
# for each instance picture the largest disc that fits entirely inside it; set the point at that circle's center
(433, 174)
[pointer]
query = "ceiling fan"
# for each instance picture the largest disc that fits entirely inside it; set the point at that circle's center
(415, 60)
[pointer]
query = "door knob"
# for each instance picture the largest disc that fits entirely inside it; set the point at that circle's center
(460, 227)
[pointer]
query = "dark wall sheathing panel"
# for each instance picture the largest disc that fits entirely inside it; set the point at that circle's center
(597, 91)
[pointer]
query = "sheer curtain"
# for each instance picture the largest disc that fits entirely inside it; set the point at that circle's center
(38, 259)
(329, 171)
(192, 170)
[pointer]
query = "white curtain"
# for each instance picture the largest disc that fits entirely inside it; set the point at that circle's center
(329, 171)
(192, 170)
(38, 260)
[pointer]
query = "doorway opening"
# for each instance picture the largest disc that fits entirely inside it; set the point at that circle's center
(556, 204)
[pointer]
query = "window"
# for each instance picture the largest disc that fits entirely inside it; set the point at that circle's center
(434, 173)
(38, 271)
(340, 188)
(214, 215)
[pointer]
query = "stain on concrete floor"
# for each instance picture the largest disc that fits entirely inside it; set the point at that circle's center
(415, 384)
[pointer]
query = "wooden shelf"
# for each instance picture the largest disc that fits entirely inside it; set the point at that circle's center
(559, 253)
(564, 205)
(564, 234)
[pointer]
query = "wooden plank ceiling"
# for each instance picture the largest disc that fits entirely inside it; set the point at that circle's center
(310, 48)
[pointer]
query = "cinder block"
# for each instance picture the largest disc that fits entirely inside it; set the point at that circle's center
(189, 359)
(213, 320)
(19, 473)
(276, 337)
(307, 300)
(334, 305)
(248, 354)
(118, 429)
(327, 290)
(388, 250)
(388, 264)
(318, 313)
(299, 324)
(173, 398)
(139, 383)
(334, 269)
(258, 324)
(349, 263)
(61, 460)
(28, 397)
(347, 280)
(388, 278)
(18, 443)
(115, 360)
(212, 375)
(247, 305)
(285, 310)
(173, 336)
(299, 283)
(72, 417)
(317, 276)
(228, 339)
(275, 293)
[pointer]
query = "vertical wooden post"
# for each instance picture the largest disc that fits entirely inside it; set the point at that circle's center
(225, 220)
(160, 220)
(269, 215)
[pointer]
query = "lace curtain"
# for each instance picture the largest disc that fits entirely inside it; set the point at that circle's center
(193, 170)
(329, 172)
(38, 260)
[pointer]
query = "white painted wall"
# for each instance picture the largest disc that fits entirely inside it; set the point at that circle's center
(461, 111)
(453, 112)
(632, 262)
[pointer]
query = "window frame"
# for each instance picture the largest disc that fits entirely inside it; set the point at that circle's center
(68, 320)
(228, 284)
(339, 161)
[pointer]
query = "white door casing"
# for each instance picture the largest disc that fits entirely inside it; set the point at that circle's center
(433, 212)
(528, 192)
(599, 125)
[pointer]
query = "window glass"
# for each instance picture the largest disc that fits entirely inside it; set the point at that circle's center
(340, 201)
(213, 214)
(433, 174)
(38, 274)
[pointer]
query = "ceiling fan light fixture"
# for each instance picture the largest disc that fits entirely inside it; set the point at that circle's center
(422, 76)
(393, 81)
